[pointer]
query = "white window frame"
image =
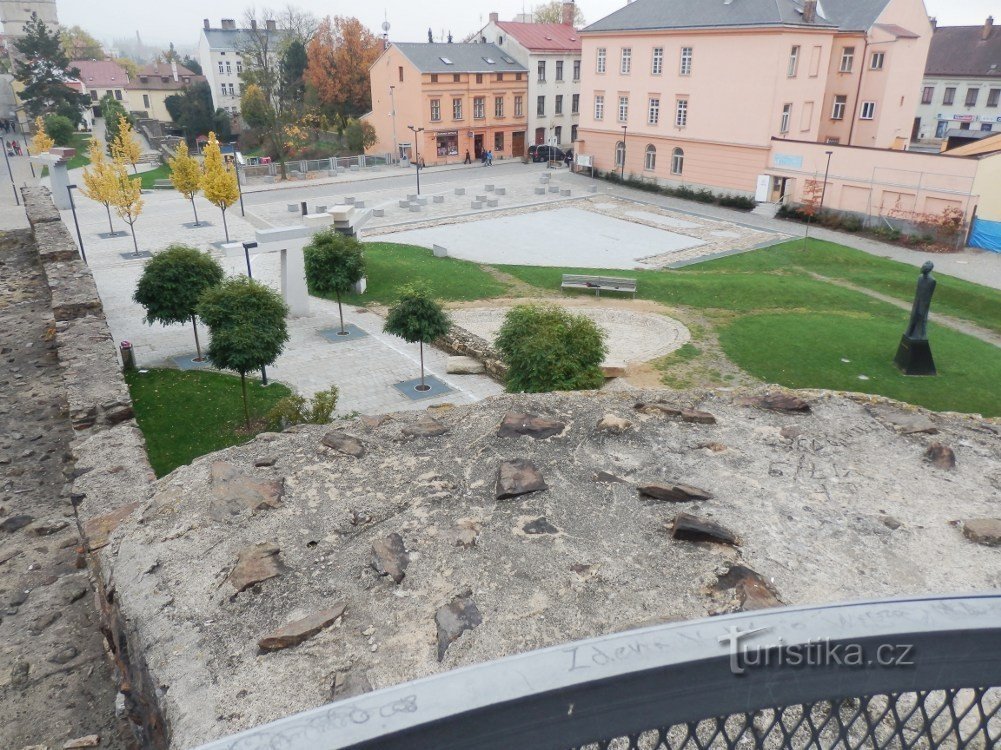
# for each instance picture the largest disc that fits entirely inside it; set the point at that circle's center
(793, 70)
(479, 107)
(623, 110)
(678, 161)
(436, 110)
(626, 61)
(685, 64)
(879, 57)
(620, 154)
(650, 158)
(456, 108)
(601, 60)
(681, 113)
(786, 118)
(867, 111)
(657, 64)
(599, 106)
(839, 107)
(653, 111)
(847, 59)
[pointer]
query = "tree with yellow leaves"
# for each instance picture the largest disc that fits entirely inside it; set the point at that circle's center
(40, 141)
(99, 179)
(186, 175)
(219, 183)
(126, 198)
(125, 147)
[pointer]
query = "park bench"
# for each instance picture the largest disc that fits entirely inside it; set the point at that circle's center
(599, 284)
(163, 185)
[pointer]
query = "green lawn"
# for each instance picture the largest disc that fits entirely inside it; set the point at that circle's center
(389, 265)
(148, 178)
(184, 415)
(81, 142)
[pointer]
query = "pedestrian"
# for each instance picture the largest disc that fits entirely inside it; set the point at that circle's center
(468, 160)
(17, 148)
(420, 162)
(568, 159)
(490, 158)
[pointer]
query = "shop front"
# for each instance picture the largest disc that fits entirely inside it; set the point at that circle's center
(446, 146)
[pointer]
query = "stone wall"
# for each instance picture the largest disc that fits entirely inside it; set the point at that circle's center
(461, 342)
(112, 473)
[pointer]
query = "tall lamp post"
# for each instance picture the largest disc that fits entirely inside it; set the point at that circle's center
(17, 198)
(417, 153)
(83, 254)
(622, 172)
(247, 247)
(392, 104)
(827, 172)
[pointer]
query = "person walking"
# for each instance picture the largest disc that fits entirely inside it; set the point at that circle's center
(467, 160)
(490, 158)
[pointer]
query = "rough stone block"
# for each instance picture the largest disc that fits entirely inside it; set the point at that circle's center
(378, 212)
(554, 188)
(439, 251)
(540, 191)
(460, 191)
(349, 200)
(481, 197)
(404, 204)
(422, 201)
(359, 204)
(55, 242)
(292, 208)
(74, 293)
(95, 390)
(488, 187)
(415, 208)
(39, 206)
(492, 203)
(438, 199)
(565, 192)
(464, 366)
(613, 369)
(500, 191)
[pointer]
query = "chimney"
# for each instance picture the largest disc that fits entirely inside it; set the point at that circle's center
(809, 11)
(207, 24)
(253, 24)
(568, 12)
(173, 69)
(988, 27)
(228, 23)
(494, 18)
(271, 25)
(934, 23)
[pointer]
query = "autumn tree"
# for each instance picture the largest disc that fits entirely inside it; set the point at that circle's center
(112, 111)
(360, 135)
(40, 141)
(126, 198)
(78, 44)
(42, 67)
(186, 175)
(125, 147)
(552, 12)
(99, 183)
(218, 181)
(340, 55)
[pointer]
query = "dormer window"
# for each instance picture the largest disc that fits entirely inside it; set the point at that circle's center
(446, 61)
(489, 61)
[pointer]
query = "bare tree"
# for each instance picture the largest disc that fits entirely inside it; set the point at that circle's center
(299, 25)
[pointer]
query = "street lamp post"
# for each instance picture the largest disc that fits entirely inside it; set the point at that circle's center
(392, 100)
(827, 172)
(622, 172)
(247, 247)
(239, 187)
(6, 156)
(83, 254)
(417, 153)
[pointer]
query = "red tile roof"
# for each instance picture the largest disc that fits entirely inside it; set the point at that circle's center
(543, 37)
(101, 74)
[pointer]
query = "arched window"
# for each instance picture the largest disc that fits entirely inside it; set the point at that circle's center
(620, 154)
(651, 158)
(677, 161)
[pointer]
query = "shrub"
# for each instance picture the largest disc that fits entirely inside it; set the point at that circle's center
(548, 348)
(295, 409)
(59, 129)
(741, 202)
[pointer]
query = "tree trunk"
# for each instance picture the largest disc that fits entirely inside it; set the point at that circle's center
(111, 227)
(246, 408)
(340, 310)
(422, 366)
(224, 226)
(132, 226)
(277, 146)
(195, 209)
(198, 346)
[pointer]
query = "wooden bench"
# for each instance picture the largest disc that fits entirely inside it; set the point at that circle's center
(599, 284)
(163, 185)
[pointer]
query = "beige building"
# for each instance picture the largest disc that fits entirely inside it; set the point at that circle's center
(154, 83)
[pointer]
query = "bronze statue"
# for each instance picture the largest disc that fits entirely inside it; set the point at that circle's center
(914, 353)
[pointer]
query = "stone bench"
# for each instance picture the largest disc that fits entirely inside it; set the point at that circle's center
(492, 203)
(439, 199)
(554, 188)
(293, 208)
(415, 208)
(599, 284)
(422, 201)
(359, 204)
(404, 204)
(349, 200)
(163, 185)
(411, 196)
(378, 212)
(544, 178)
(500, 191)
(481, 197)
(488, 188)
(566, 192)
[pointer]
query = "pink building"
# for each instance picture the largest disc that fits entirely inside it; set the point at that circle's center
(693, 93)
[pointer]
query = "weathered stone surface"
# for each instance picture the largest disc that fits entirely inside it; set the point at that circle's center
(454, 619)
(604, 477)
(784, 402)
(466, 532)
(791, 432)
(96, 392)
(236, 494)
(518, 477)
(694, 416)
(256, 563)
(941, 456)
(301, 630)
(461, 342)
(15, 523)
(517, 423)
(905, 422)
(265, 461)
(48, 527)
(675, 493)
(658, 409)
(613, 424)
(425, 427)
(890, 522)
(985, 531)
(390, 558)
(374, 421)
(749, 589)
(91, 740)
(694, 529)
(540, 526)
(341, 442)
(349, 685)
(98, 530)
(458, 365)
(55, 242)
(613, 369)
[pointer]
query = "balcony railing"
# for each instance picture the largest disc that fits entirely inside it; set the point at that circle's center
(900, 674)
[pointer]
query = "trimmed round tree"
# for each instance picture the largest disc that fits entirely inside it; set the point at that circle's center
(172, 283)
(334, 264)
(548, 348)
(248, 327)
(417, 317)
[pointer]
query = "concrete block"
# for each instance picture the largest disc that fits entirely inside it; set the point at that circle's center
(349, 200)
(613, 369)
(500, 191)
(340, 213)
(360, 286)
(378, 212)
(492, 203)
(554, 188)
(422, 201)
(476, 204)
(540, 191)
(565, 192)
(415, 208)
(411, 196)
(439, 251)
(460, 191)
(592, 188)
(489, 188)
(464, 366)
(439, 199)
(481, 197)
(544, 178)
(320, 209)
(359, 204)
(404, 204)
(355, 168)
(293, 208)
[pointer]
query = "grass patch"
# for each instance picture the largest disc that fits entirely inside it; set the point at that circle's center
(147, 179)
(184, 415)
(806, 351)
(81, 142)
(389, 266)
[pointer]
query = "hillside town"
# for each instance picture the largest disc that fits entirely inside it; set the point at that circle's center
(586, 374)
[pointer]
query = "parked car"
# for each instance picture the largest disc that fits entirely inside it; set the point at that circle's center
(547, 153)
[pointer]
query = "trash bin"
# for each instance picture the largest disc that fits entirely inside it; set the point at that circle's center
(128, 356)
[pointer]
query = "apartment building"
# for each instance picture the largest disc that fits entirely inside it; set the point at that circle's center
(222, 64)
(699, 93)
(551, 52)
(962, 84)
(149, 90)
(101, 78)
(458, 98)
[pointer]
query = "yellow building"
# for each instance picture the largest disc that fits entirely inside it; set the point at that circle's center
(154, 83)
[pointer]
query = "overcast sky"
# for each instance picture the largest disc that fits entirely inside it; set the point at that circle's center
(180, 20)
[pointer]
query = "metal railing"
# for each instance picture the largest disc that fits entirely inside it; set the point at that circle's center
(306, 166)
(900, 674)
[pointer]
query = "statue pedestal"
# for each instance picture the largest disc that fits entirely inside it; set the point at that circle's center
(914, 357)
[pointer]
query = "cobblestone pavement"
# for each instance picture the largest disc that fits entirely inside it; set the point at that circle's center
(632, 336)
(55, 682)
